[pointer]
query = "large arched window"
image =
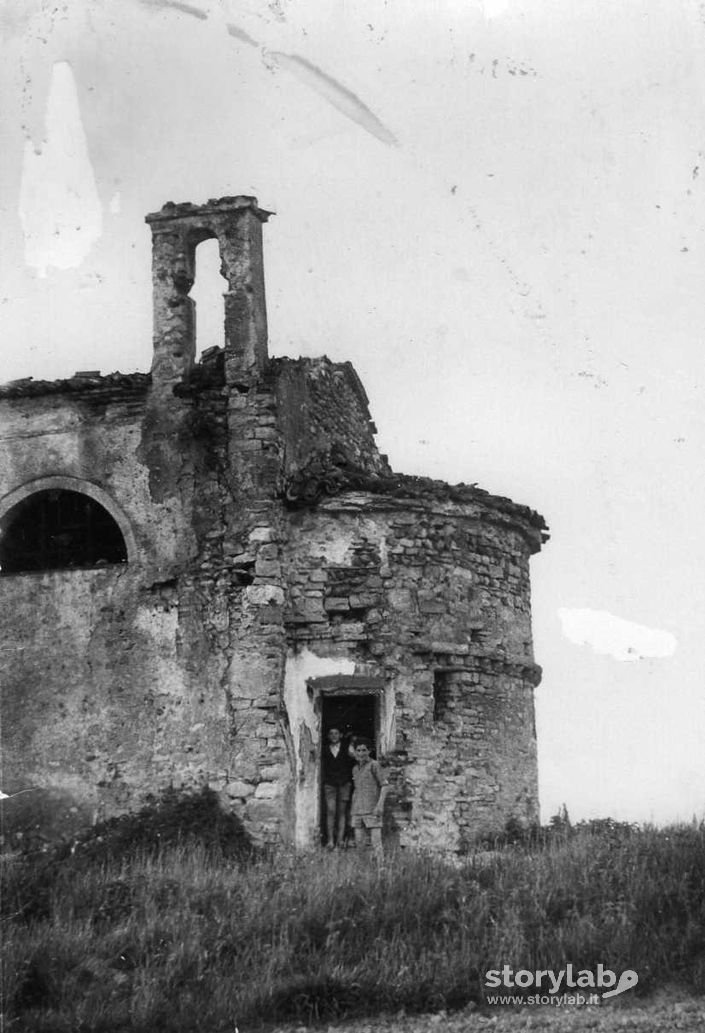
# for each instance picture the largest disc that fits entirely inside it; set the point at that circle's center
(56, 529)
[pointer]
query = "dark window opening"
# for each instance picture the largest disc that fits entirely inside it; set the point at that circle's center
(441, 695)
(56, 529)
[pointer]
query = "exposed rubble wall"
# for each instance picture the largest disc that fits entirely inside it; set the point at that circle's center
(273, 563)
(326, 425)
(430, 599)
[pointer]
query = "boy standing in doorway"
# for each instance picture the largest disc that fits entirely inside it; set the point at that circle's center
(337, 787)
(369, 793)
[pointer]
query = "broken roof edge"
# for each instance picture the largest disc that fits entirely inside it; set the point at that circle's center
(360, 490)
(90, 382)
(312, 362)
(208, 365)
(443, 491)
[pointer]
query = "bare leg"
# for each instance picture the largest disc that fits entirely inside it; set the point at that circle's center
(376, 837)
(330, 816)
(342, 822)
(360, 838)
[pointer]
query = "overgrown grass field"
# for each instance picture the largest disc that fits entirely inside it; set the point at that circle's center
(183, 933)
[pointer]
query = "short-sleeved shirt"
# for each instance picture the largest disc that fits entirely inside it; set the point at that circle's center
(367, 782)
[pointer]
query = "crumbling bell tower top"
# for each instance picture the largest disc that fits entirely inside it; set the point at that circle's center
(177, 230)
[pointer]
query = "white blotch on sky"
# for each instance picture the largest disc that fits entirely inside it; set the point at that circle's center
(59, 205)
(613, 636)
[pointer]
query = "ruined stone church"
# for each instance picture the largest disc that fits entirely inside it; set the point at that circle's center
(204, 567)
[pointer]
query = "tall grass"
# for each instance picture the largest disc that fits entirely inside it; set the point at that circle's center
(185, 939)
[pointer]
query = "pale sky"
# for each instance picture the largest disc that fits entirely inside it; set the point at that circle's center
(496, 211)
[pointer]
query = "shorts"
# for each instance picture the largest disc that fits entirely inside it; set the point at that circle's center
(366, 821)
(337, 796)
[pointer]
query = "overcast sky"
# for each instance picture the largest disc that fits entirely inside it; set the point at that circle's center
(496, 211)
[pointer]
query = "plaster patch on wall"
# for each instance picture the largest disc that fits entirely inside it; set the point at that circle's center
(614, 636)
(59, 207)
(388, 719)
(305, 731)
(160, 626)
(336, 548)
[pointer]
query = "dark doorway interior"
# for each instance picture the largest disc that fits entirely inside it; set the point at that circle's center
(353, 715)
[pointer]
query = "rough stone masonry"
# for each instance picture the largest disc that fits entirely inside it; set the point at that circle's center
(202, 565)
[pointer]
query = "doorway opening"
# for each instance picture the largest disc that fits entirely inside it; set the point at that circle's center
(354, 715)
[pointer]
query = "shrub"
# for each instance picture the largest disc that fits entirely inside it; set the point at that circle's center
(172, 819)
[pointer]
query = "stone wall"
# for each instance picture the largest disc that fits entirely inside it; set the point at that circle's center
(103, 670)
(326, 425)
(274, 564)
(167, 670)
(429, 598)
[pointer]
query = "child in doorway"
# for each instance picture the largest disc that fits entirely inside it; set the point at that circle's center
(369, 793)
